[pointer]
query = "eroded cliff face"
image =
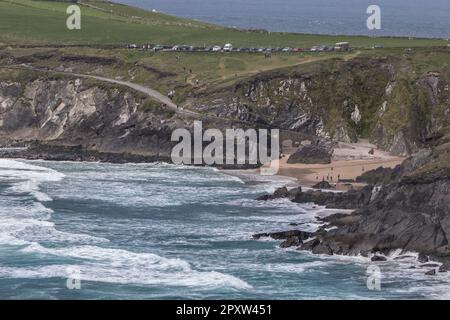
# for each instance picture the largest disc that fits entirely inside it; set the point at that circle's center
(410, 212)
(382, 99)
(342, 100)
(406, 208)
(77, 112)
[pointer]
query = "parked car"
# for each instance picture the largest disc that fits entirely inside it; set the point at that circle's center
(216, 49)
(228, 47)
(287, 49)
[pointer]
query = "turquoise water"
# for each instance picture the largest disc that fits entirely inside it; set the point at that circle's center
(162, 231)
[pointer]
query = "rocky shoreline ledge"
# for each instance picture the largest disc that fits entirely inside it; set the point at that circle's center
(406, 208)
(40, 151)
(54, 152)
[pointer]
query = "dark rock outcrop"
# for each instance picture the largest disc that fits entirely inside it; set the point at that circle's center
(323, 185)
(352, 199)
(280, 193)
(320, 152)
(443, 269)
(410, 211)
(432, 272)
(292, 238)
(378, 258)
(379, 175)
(293, 241)
(283, 235)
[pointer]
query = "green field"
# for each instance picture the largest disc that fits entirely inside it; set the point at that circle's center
(163, 70)
(44, 22)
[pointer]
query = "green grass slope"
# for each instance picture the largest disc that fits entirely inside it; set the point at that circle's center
(44, 22)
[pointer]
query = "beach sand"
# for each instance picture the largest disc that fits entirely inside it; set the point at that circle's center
(349, 161)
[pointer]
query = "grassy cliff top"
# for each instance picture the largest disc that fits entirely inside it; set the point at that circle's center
(103, 22)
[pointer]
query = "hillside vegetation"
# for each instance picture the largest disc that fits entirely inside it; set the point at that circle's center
(396, 99)
(394, 96)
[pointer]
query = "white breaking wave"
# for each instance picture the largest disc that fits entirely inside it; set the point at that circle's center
(28, 177)
(26, 225)
(122, 266)
(25, 221)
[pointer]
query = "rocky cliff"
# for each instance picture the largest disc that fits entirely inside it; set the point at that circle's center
(89, 115)
(384, 99)
(406, 208)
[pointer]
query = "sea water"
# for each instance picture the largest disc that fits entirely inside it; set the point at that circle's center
(411, 18)
(159, 231)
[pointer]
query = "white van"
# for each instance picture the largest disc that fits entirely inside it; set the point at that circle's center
(228, 47)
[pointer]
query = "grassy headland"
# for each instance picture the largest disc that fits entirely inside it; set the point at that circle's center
(34, 32)
(44, 22)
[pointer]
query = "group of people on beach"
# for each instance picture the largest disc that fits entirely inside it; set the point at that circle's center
(329, 176)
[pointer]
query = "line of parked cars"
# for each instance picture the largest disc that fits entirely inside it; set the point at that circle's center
(229, 48)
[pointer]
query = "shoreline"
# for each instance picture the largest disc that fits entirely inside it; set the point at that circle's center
(307, 175)
(349, 161)
(252, 176)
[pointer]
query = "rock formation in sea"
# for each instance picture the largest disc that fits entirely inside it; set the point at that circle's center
(406, 208)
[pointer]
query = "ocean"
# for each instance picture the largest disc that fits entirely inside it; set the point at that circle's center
(159, 231)
(415, 18)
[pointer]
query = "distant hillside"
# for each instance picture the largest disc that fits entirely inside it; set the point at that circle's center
(103, 22)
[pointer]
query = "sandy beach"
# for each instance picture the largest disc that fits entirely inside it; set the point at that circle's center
(349, 161)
